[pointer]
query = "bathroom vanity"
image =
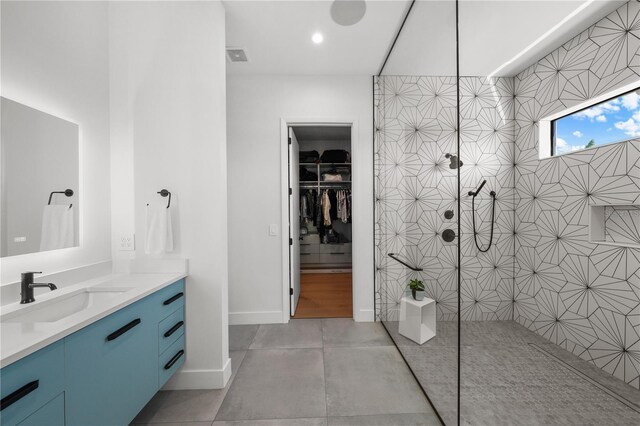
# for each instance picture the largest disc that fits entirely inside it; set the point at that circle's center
(93, 353)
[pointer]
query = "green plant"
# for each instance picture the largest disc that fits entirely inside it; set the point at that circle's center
(416, 285)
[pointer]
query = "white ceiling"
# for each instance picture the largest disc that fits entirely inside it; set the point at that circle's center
(491, 34)
(276, 35)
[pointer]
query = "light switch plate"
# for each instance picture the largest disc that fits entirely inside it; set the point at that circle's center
(273, 230)
(127, 242)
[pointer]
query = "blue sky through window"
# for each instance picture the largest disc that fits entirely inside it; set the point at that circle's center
(610, 121)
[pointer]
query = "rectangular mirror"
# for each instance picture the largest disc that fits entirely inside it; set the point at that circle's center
(40, 178)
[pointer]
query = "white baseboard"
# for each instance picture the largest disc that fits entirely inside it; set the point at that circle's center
(364, 315)
(200, 379)
(263, 317)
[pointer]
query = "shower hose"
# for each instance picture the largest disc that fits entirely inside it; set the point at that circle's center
(473, 220)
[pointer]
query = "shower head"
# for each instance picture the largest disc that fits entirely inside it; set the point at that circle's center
(454, 161)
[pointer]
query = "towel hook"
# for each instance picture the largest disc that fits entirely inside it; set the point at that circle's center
(67, 192)
(164, 193)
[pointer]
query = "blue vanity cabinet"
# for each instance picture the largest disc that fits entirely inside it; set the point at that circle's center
(52, 413)
(29, 384)
(103, 374)
(110, 368)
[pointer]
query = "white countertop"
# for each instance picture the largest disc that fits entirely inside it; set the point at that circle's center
(19, 339)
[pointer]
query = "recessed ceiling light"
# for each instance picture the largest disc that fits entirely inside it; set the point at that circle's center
(317, 38)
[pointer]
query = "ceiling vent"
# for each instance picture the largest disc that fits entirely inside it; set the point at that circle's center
(236, 55)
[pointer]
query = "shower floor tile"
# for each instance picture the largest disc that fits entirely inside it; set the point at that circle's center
(511, 376)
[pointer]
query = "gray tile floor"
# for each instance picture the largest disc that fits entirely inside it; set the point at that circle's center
(305, 373)
(512, 376)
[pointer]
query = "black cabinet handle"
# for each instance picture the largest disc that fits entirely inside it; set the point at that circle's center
(19, 394)
(173, 299)
(173, 360)
(173, 329)
(119, 332)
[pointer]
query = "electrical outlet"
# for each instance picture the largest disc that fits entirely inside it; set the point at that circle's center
(127, 242)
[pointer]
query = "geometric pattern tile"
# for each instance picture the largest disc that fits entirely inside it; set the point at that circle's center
(416, 122)
(593, 310)
(541, 270)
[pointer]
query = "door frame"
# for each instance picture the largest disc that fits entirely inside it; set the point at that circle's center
(285, 123)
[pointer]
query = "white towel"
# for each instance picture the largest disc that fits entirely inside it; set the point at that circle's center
(57, 227)
(159, 232)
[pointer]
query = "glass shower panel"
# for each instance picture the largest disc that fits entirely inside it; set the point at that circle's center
(547, 314)
(416, 200)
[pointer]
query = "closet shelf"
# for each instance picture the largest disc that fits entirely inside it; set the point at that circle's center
(325, 164)
(324, 181)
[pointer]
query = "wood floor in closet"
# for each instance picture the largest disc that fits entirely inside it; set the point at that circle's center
(325, 296)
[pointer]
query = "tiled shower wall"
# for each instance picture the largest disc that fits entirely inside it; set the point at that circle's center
(415, 127)
(542, 271)
(582, 296)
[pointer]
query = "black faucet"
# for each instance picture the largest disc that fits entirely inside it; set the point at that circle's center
(27, 285)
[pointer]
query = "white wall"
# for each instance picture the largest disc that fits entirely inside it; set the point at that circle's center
(255, 107)
(167, 68)
(55, 59)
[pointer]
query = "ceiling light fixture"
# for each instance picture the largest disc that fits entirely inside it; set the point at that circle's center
(317, 38)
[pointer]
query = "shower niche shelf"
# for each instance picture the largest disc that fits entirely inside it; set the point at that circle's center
(616, 225)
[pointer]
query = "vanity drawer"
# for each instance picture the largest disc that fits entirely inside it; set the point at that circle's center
(169, 299)
(28, 384)
(170, 329)
(51, 414)
(110, 367)
(171, 360)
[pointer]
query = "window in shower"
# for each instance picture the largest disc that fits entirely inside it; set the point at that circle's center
(615, 119)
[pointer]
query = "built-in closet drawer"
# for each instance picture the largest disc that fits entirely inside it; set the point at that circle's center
(335, 248)
(310, 239)
(335, 258)
(310, 248)
(309, 258)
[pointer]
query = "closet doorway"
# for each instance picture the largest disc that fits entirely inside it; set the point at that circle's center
(320, 221)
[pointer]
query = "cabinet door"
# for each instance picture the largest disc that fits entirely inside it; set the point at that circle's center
(111, 367)
(28, 384)
(51, 414)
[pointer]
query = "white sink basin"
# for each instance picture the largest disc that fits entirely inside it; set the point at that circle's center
(57, 308)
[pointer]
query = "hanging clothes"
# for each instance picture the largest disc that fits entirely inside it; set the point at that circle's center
(317, 211)
(326, 208)
(333, 198)
(343, 209)
(304, 207)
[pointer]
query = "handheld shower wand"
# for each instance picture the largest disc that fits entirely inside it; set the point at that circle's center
(473, 216)
(473, 194)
